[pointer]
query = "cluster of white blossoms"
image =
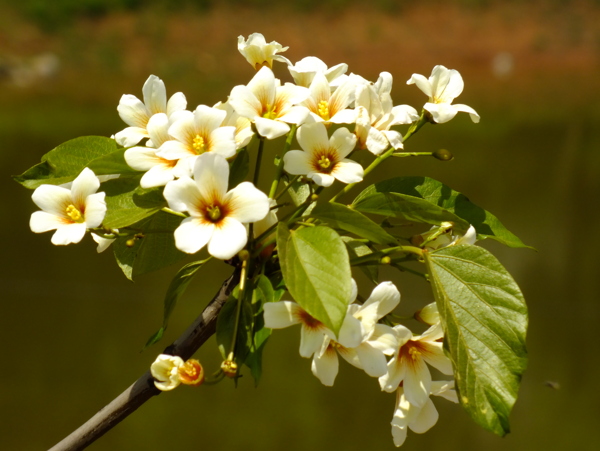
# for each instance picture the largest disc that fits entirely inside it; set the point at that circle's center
(366, 344)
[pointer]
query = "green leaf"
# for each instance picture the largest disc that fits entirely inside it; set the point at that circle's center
(176, 289)
(341, 217)
(436, 193)
(316, 269)
(64, 163)
(153, 249)
(407, 208)
(299, 191)
(127, 202)
(359, 249)
(226, 325)
(485, 321)
(239, 168)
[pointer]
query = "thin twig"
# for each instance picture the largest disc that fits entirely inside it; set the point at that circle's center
(143, 389)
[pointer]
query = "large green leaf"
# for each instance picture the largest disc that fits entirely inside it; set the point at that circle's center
(485, 321)
(127, 202)
(65, 162)
(407, 208)
(153, 249)
(341, 217)
(316, 270)
(436, 193)
(176, 289)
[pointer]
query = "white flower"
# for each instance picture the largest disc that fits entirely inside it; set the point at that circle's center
(243, 125)
(428, 314)
(362, 342)
(409, 363)
(136, 113)
(323, 159)
(198, 133)
(103, 243)
(69, 211)
(258, 53)
(305, 70)
(376, 114)
(442, 87)
(445, 238)
(217, 216)
(269, 105)
(268, 221)
(159, 171)
(327, 107)
(165, 371)
(419, 419)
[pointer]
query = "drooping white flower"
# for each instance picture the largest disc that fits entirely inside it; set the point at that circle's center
(418, 419)
(136, 113)
(323, 159)
(217, 216)
(165, 371)
(327, 107)
(243, 125)
(198, 133)
(70, 211)
(442, 87)
(258, 53)
(376, 114)
(304, 71)
(159, 171)
(409, 363)
(269, 105)
(362, 342)
(103, 242)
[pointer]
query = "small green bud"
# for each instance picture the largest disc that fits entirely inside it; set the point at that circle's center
(385, 260)
(443, 155)
(130, 242)
(243, 255)
(314, 197)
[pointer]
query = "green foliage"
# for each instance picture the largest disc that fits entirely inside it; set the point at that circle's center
(439, 196)
(127, 202)
(485, 320)
(316, 269)
(357, 248)
(341, 217)
(239, 168)
(176, 289)
(64, 163)
(153, 245)
(226, 323)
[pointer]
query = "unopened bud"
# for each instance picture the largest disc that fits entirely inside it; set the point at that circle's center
(243, 255)
(314, 197)
(130, 242)
(230, 368)
(443, 155)
(385, 260)
(191, 373)
(428, 314)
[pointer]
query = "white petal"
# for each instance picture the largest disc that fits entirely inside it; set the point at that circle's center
(222, 141)
(229, 237)
(343, 142)
(297, 162)
(130, 136)
(133, 111)
(245, 103)
(435, 357)
(311, 340)
(404, 114)
(453, 87)
(176, 103)
(326, 366)
(295, 115)
(52, 199)
(155, 95)
(417, 383)
(41, 221)
(384, 298)
(85, 184)
(351, 333)
(376, 142)
(425, 419)
(141, 158)
(399, 435)
(422, 83)
(95, 210)
(390, 381)
(263, 87)
(193, 234)
(348, 171)
(211, 173)
(385, 339)
(184, 128)
(313, 137)
(270, 128)
(158, 129)
(247, 203)
(321, 179)
(278, 315)
(159, 175)
(467, 109)
(174, 150)
(183, 195)
(441, 112)
(394, 138)
(68, 233)
(372, 360)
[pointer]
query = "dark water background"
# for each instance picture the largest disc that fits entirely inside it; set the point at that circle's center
(72, 326)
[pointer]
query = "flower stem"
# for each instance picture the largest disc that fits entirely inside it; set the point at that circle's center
(261, 146)
(279, 173)
(238, 309)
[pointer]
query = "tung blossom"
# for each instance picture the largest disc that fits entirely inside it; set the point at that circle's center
(69, 210)
(442, 87)
(323, 159)
(269, 105)
(217, 216)
(327, 107)
(136, 113)
(376, 114)
(258, 53)
(304, 71)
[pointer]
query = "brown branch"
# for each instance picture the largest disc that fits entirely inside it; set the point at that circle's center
(143, 389)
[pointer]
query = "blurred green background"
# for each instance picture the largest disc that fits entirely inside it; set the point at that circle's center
(73, 326)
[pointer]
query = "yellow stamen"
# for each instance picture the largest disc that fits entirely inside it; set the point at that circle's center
(74, 214)
(198, 144)
(324, 162)
(214, 212)
(324, 109)
(414, 353)
(270, 112)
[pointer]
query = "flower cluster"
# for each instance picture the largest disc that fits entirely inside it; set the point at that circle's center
(364, 343)
(170, 371)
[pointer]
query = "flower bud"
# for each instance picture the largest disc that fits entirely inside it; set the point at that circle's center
(443, 155)
(385, 260)
(428, 314)
(243, 255)
(230, 368)
(191, 373)
(165, 371)
(130, 242)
